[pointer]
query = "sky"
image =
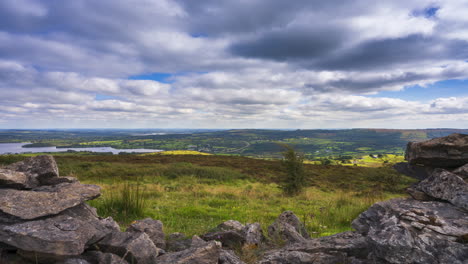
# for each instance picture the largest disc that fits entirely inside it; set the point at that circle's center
(233, 64)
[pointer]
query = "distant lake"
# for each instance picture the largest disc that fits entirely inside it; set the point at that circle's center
(16, 148)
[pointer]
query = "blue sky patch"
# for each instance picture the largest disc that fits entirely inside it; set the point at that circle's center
(102, 97)
(157, 76)
(446, 88)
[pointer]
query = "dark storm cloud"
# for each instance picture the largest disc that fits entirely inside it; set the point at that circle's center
(291, 44)
(387, 53)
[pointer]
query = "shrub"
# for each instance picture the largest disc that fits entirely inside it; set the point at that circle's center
(293, 162)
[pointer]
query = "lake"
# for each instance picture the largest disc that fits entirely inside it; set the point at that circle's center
(16, 148)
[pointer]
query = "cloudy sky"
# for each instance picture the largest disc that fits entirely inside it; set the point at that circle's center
(233, 64)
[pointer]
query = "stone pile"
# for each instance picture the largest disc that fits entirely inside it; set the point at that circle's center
(431, 227)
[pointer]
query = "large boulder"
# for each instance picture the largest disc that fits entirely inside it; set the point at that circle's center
(45, 200)
(208, 254)
(41, 168)
(153, 228)
(447, 186)
(445, 152)
(411, 231)
(135, 247)
(66, 234)
(288, 228)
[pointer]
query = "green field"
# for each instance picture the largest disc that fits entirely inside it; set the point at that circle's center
(194, 193)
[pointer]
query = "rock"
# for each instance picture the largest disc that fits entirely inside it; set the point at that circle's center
(229, 233)
(253, 234)
(298, 257)
(178, 242)
(342, 248)
(411, 231)
(198, 242)
(446, 186)
(153, 228)
(228, 257)
(413, 170)
(231, 225)
(351, 243)
(445, 152)
(74, 261)
(13, 258)
(288, 228)
(15, 179)
(462, 171)
(208, 254)
(135, 247)
(46, 200)
(67, 234)
(58, 180)
(103, 258)
(417, 194)
(41, 167)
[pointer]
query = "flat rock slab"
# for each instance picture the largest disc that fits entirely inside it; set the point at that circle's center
(41, 167)
(444, 152)
(411, 231)
(67, 234)
(49, 200)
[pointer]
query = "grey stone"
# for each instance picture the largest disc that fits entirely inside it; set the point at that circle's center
(231, 225)
(418, 194)
(446, 186)
(288, 228)
(208, 254)
(41, 167)
(58, 180)
(198, 242)
(253, 234)
(444, 152)
(73, 261)
(344, 247)
(411, 231)
(462, 171)
(228, 238)
(228, 257)
(230, 233)
(46, 200)
(153, 228)
(97, 257)
(67, 234)
(299, 257)
(135, 247)
(15, 179)
(178, 242)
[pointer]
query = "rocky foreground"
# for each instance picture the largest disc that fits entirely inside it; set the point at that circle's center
(44, 219)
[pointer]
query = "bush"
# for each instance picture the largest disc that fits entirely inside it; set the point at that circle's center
(293, 162)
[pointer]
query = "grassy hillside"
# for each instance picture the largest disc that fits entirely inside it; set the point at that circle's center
(193, 193)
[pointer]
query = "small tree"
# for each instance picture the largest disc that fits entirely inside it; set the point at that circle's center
(293, 164)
